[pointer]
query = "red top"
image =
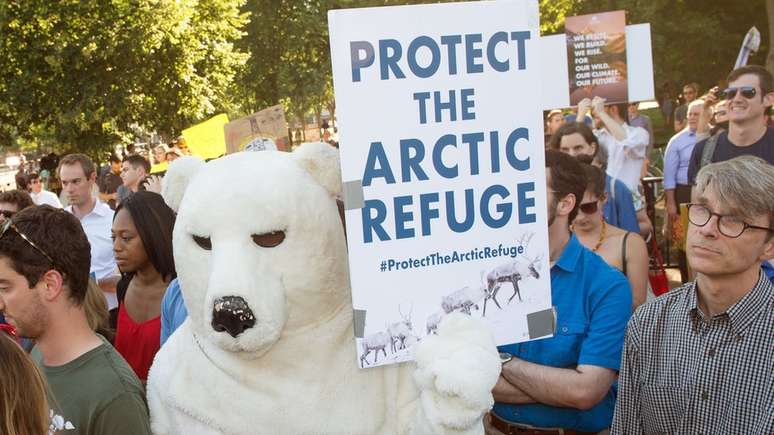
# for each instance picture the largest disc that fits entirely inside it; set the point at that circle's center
(137, 342)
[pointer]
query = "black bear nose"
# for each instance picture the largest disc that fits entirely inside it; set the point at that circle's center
(232, 314)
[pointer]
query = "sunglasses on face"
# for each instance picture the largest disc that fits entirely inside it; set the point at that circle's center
(589, 207)
(747, 91)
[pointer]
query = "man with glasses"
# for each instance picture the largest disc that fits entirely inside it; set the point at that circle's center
(749, 96)
(12, 202)
(698, 359)
(44, 273)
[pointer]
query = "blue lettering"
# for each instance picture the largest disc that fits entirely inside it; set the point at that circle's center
(510, 149)
(472, 139)
(422, 98)
(412, 163)
(467, 103)
(522, 189)
(435, 57)
(357, 62)
(491, 46)
(451, 216)
(427, 213)
(373, 224)
(505, 209)
(443, 142)
(389, 62)
(520, 38)
(376, 155)
(472, 53)
(451, 42)
(451, 106)
(402, 216)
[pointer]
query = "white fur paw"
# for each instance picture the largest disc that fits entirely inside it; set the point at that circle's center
(456, 371)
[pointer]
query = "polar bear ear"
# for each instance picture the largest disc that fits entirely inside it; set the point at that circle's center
(179, 173)
(322, 162)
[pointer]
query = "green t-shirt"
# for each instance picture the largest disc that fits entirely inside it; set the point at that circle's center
(96, 394)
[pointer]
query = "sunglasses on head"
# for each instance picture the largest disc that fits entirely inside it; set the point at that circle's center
(9, 225)
(747, 91)
(589, 207)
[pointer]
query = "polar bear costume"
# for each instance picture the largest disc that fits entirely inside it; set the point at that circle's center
(292, 369)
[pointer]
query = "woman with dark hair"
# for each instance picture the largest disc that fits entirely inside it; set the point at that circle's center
(142, 243)
(623, 250)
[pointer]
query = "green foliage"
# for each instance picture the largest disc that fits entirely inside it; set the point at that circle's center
(85, 71)
(85, 74)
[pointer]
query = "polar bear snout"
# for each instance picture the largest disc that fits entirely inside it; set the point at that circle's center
(232, 314)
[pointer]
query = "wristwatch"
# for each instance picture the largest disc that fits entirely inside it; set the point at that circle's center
(505, 357)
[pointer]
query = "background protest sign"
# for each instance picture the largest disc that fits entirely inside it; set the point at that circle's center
(206, 139)
(445, 191)
(639, 62)
(258, 130)
(596, 56)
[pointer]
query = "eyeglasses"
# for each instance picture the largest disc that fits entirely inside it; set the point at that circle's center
(589, 207)
(747, 91)
(7, 213)
(9, 225)
(729, 226)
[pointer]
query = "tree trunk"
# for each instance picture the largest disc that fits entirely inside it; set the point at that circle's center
(770, 15)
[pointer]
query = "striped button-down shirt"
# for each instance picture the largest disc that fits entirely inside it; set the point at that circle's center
(684, 372)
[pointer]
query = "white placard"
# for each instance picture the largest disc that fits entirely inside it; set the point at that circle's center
(446, 208)
(639, 61)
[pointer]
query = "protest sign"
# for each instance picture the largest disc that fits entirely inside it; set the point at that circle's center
(266, 129)
(444, 192)
(596, 53)
(206, 139)
(639, 62)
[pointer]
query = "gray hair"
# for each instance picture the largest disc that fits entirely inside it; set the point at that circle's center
(745, 183)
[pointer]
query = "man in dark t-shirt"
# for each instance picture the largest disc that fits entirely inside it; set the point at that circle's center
(110, 182)
(750, 96)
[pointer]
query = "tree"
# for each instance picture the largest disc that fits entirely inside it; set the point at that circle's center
(85, 71)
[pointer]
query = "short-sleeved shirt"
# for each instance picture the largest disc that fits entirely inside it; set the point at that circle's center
(593, 304)
(173, 310)
(619, 208)
(96, 393)
(725, 150)
(626, 156)
(97, 226)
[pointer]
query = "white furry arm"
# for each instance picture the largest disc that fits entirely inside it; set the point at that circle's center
(579, 388)
(456, 371)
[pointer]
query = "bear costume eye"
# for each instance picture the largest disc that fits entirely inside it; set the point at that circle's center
(203, 242)
(269, 240)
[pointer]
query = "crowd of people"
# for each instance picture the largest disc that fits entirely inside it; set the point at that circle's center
(88, 292)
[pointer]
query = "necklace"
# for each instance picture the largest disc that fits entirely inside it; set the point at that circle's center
(601, 236)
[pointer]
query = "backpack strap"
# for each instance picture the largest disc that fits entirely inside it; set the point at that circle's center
(623, 252)
(708, 151)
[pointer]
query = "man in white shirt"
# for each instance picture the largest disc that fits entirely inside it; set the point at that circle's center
(627, 148)
(78, 177)
(40, 196)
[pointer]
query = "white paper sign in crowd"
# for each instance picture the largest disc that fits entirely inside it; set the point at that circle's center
(442, 160)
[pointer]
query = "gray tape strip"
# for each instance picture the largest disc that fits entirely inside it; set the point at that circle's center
(352, 194)
(358, 318)
(541, 323)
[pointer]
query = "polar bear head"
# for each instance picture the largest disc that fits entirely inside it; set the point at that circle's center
(259, 244)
